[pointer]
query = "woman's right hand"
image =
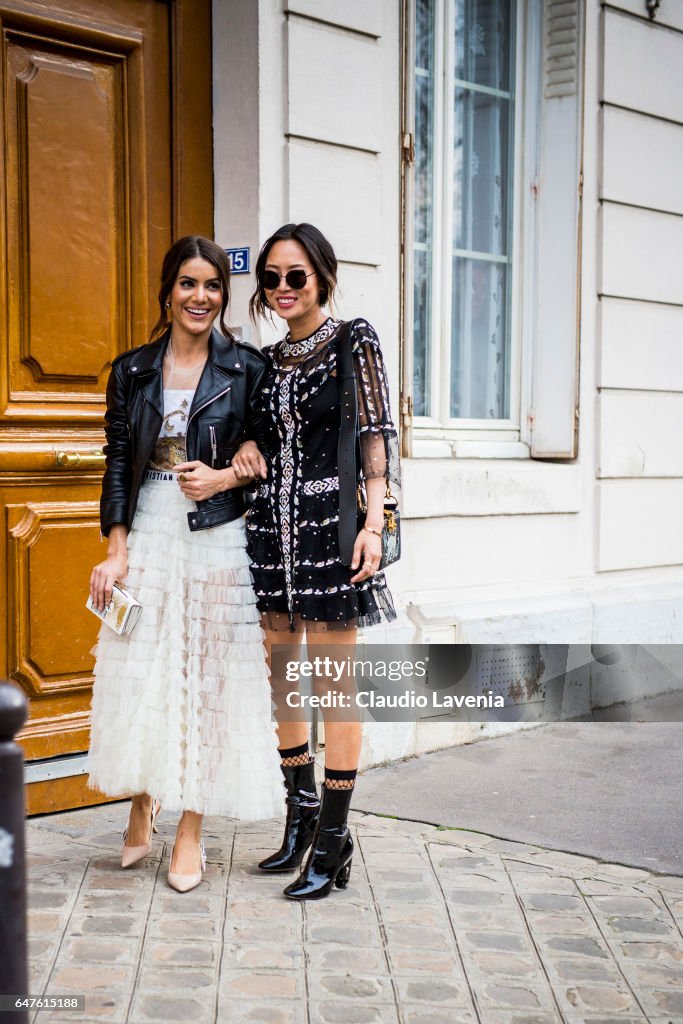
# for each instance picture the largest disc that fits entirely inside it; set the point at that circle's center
(114, 567)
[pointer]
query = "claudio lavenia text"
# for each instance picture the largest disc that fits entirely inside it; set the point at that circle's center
(407, 699)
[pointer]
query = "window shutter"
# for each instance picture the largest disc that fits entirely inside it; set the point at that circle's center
(554, 398)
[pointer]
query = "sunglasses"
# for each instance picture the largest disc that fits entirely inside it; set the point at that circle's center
(295, 279)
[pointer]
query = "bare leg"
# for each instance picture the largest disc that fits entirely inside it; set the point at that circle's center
(342, 744)
(139, 819)
(342, 735)
(292, 728)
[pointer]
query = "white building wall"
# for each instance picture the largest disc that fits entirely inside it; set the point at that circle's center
(640, 372)
(308, 92)
(567, 551)
(307, 123)
(236, 117)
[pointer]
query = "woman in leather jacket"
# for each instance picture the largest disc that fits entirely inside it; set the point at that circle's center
(181, 707)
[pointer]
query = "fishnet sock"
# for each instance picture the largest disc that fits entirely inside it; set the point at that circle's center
(294, 757)
(340, 778)
(297, 760)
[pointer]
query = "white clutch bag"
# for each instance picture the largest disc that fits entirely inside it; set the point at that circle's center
(122, 612)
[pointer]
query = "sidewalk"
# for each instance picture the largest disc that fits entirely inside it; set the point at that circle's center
(608, 790)
(438, 926)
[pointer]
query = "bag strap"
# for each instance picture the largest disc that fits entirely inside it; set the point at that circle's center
(346, 448)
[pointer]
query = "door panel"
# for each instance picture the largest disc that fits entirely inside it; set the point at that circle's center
(106, 157)
(49, 640)
(77, 164)
(50, 94)
(48, 548)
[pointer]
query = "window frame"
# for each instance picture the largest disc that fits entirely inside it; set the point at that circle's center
(439, 434)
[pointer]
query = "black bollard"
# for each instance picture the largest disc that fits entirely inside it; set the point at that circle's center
(13, 950)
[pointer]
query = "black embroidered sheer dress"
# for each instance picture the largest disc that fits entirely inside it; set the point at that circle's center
(292, 527)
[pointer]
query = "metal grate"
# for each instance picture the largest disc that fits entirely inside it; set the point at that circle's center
(513, 672)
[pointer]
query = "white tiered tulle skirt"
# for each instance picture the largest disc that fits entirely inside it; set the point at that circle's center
(181, 709)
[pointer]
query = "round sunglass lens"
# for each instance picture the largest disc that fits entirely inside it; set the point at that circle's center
(296, 279)
(270, 279)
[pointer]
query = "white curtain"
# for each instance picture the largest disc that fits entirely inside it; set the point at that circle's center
(482, 195)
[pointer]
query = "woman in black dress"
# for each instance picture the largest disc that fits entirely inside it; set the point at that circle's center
(292, 531)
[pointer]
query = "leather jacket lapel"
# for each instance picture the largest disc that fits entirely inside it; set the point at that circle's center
(223, 364)
(221, 367)
(153, 390)
(146, 369)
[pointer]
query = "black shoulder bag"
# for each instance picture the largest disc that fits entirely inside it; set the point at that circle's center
(352, 509)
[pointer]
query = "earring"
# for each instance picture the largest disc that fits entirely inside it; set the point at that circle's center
(168, 305)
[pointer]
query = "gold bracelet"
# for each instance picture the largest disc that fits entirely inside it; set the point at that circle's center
(370, 529)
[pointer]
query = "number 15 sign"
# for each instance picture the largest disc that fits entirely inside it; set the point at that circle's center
(239, 260)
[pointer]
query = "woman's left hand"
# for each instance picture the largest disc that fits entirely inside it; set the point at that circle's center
(198, 481)
(248, 463)
(367, 552)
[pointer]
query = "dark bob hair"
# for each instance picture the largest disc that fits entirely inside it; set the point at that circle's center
(188, 248)
(319, 252)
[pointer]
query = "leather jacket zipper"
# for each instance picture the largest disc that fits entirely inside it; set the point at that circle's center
(197, 411)
(212, 435)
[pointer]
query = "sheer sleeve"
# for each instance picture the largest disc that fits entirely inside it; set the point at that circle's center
(378, 437)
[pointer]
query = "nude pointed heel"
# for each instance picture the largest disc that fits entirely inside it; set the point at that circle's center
(183, 883)
(132, 854)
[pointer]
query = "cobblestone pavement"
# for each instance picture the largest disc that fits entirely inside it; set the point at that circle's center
(436, 927)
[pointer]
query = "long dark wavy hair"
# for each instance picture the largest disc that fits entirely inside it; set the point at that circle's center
(188, 248)
(319, 252)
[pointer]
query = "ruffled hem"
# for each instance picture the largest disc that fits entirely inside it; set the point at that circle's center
(366, 605)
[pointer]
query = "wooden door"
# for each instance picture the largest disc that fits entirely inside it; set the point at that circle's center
(106, 156)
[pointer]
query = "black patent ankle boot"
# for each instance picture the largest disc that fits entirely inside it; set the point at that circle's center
(303, 807)
(329, 859)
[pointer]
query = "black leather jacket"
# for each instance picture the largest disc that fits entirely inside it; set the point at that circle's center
(226, 409)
